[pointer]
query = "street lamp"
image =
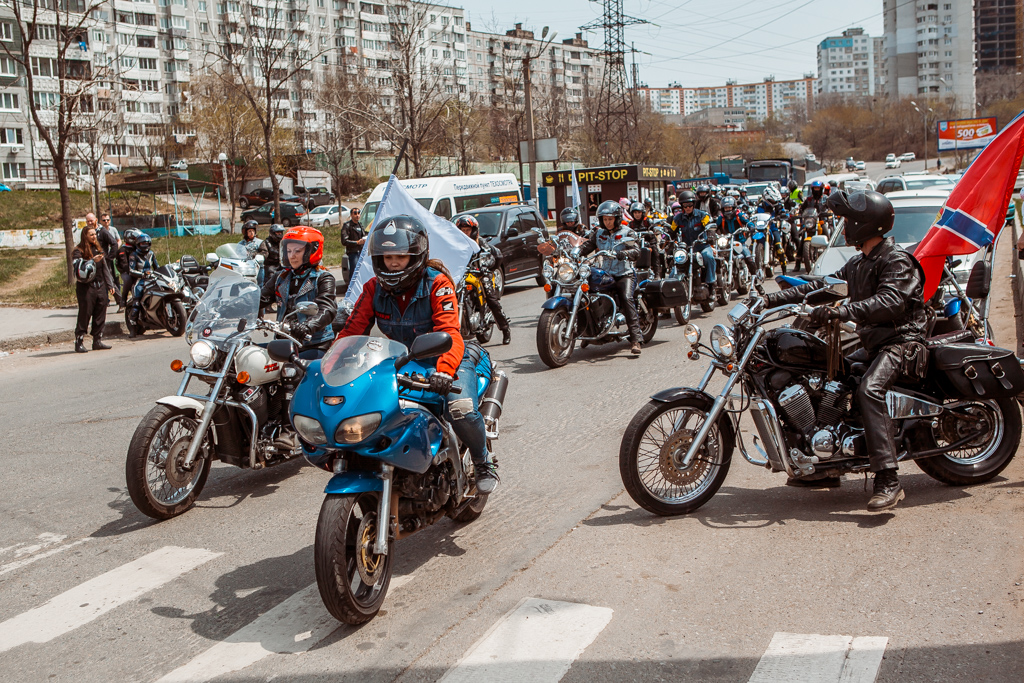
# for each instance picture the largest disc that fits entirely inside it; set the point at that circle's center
(545, 42)
(925, 119)
(223, 159)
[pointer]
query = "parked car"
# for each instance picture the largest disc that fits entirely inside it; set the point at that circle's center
(891, 161)
(291, 214)
(915, 182)
(314, 196)
(810, 157)
(179, 165)
(509, 228)
(861, 166)
(109, 167)
(329, 215)
(850, 164)
(262, 195)
(908, 156)
(755, 190)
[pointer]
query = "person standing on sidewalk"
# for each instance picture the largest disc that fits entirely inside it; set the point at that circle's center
(110, 241)
(94, 282)
(353, 239)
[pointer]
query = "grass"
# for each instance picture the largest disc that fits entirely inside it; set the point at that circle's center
(11, 268)
(38, 209)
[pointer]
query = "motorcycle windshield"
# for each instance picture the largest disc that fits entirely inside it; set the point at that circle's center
(232, 251)
(229, 300)
(352, 357)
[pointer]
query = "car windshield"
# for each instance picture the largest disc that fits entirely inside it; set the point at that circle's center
(919, 183)
(352, 357)
(232, 250)
(756, 188)
(321, 209)
(490, 222)
(228, 300)
(909, 227)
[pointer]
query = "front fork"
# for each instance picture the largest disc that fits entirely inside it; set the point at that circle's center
(575, 309)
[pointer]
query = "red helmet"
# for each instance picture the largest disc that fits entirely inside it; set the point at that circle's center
(312, 242)
(466, 222)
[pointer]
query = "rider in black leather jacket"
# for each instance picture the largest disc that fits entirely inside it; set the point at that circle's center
(886, 300)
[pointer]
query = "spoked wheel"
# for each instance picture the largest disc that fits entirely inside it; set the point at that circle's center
(654, 446)
(555, 341)
(682, 314)
(722, 296)
(158, 482)
(352, 579)
(742, 279)
(648, 323)
(998, 424)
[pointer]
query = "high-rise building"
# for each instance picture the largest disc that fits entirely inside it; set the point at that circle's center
(929, 50)
(759, 99)
(999, 30)
(846, 64)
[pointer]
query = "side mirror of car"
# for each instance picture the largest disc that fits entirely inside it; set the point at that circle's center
(819, 241)
(512, 232)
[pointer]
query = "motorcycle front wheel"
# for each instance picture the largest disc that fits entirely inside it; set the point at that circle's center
(742, 279)
(682, 314)
(158, 483)
(652, 450)
(980, 460)
(175, 318)
(353, 581)
(555, 342)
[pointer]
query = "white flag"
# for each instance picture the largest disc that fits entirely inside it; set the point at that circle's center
(447, 243)
(575, 190)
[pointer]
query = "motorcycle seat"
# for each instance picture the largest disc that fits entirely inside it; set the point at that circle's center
(859, 362)
(955, 337)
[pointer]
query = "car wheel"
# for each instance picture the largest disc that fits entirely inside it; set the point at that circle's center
(244, 203)
(286, 223)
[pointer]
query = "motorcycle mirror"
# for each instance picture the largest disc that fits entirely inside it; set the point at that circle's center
(307, 308)
(837, 286)
(430, 345)
(281, 349)
(212, 258)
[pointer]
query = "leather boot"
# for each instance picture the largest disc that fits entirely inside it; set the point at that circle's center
(80, 344)
(506, 336)
(887, 492)
(97, 343)
(750, 265)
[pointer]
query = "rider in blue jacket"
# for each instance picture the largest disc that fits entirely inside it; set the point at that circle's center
(689, 226)
(141, 262)
(729, 221)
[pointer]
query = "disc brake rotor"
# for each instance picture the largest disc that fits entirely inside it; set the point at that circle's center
(367, 563)
(671, 459)
(177, 476)
(951, 429)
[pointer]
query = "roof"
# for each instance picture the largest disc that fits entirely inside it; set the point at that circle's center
(165, 183)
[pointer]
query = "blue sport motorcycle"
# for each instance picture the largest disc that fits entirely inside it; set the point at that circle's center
(398, 465)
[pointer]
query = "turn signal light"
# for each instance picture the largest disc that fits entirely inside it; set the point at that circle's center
(242, 377)
(177, 365)
(730, 367)
(469, 287)
(547, 287)
(585, 287)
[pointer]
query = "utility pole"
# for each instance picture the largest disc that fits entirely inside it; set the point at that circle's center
(531, 140)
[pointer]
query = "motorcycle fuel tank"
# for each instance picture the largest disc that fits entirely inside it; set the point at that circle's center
(791, 348)
(257, 362)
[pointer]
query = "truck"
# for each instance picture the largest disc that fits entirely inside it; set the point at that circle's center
(778, 170)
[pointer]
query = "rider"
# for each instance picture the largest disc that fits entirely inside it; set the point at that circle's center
(270, 248)
(304, 278)
(641, 223)
(817, 198)
(411, 295)
(141, 262)
(488, 258)
(124, 252)
(796, 195)
(886, 301)
(729, 221)
(689, 225)
(744, 201)
(571, 221)
(249, 239)
(612, 236)
(772, 204)
(705, 202)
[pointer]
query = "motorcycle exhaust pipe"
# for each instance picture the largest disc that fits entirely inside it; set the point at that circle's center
(491, 404)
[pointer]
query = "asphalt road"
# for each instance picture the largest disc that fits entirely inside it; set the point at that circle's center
(94, 591)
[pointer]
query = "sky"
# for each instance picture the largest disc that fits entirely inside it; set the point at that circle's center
(698, 42)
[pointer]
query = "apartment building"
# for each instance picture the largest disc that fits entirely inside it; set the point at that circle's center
(760, 100)
(929, 50)
(999, 32)
(846, 64)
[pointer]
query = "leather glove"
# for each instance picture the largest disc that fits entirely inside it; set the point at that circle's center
(620, 256)
(767, 297)
(441, 383)
(822, 314)
(300, 331)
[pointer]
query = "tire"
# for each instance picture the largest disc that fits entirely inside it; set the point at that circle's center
(175, 324)
(132, 329)
(722, 296)
(484, 335)
(287, 223)
(337, 552)
(649, 326)
(708, 305)
(243, 203)
(473, 511)
(548, 325)
(165, 424)
(499, 281)
(742, 279)
(682, 314)
(807, 256)
(705, 475)
(1003, 438)
(541, 280)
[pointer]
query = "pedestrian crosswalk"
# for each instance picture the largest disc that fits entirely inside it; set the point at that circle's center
(799, 657)
(43, 546)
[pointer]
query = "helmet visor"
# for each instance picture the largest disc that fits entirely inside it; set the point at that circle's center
(296, 253)
(391, 239)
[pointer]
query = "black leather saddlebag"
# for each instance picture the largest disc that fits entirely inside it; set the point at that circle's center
(665, 293)
(974, 371)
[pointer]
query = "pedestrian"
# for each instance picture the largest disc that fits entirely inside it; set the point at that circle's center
(94, 282)
(110, 240)
(353, 239)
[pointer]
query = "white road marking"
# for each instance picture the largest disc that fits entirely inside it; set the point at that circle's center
(44, 539)
(537, 641)
(18, 564)
(812, 658)
(90, 600)
(292, 627)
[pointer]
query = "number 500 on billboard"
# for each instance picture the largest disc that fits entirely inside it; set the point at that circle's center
(966, 133)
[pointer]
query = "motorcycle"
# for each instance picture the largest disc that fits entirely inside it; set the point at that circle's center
(476, 318)
(586, 310)
(398, 467)
(689, 268)
(811, 227)
(961, 424)
(162, 303)
(764, 253)
(236, 258)
(553, 251)
(239, 417)
(738, 274)
(197, 277)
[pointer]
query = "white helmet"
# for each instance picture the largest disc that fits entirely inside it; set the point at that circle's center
(772, 195)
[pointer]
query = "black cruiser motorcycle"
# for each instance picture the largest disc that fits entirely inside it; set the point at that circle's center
(961, 424)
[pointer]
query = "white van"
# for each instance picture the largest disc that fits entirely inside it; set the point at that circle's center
(449, 195)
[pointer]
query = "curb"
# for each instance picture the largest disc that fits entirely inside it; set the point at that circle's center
(43, 338)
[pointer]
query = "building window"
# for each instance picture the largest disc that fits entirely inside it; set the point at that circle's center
(6, 31)
(8, 101)
(45, 100)
(43, 67)
(14, 171)
(11, 136)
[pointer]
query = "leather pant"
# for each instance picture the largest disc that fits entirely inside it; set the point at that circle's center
(624, 287)
(879, 432)
(493, 300)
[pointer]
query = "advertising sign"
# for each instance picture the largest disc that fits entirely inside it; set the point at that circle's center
(966, 133)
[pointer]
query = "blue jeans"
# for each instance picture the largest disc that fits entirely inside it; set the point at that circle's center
(353, 259)
(709, 264)
(463, 414)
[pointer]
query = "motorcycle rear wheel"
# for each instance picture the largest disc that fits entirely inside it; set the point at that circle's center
(656, 440)
(344, 561)
(722, 296)
(549, 333)
(473, 510)
(742, 279)
(977, 462)
(682, 314)
(708, 305)
(160, 440)
(648, 324)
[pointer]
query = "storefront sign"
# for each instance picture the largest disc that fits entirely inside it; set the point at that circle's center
(611, 174)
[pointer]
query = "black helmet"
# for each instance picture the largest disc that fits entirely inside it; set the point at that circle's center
(634, 207)
(791, 185)
(142, 243)
(467, 222)
(276, 230)
(687, 196)
(703, 189)
(131, 236)
(399, 235)
(569, 215)
(85, 271)
(648, 203)
(609, 208)
(867, 214)
(250, 225)
(742, 190)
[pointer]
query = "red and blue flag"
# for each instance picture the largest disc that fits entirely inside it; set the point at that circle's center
(975, 210)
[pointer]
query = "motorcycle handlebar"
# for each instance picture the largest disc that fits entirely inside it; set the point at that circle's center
(414, 381)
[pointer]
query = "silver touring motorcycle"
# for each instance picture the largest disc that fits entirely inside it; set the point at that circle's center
(961, 424)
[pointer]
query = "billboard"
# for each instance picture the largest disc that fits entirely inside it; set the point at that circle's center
(966, 133)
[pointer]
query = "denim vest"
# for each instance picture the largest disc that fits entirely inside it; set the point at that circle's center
(623, 238)
(305, 291)
(418, 317)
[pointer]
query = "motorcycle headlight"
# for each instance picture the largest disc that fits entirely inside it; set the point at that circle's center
(723, 242)
(565, 272)
(310, 430)
(680, 258)
(355, 429)
(721, 341)
(202, 354)
(549, 270)
(691, 333)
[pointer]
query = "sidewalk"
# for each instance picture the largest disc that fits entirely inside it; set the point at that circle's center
(23, 328)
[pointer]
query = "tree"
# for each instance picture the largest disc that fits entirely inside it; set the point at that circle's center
(462, 132)
(58, 117)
